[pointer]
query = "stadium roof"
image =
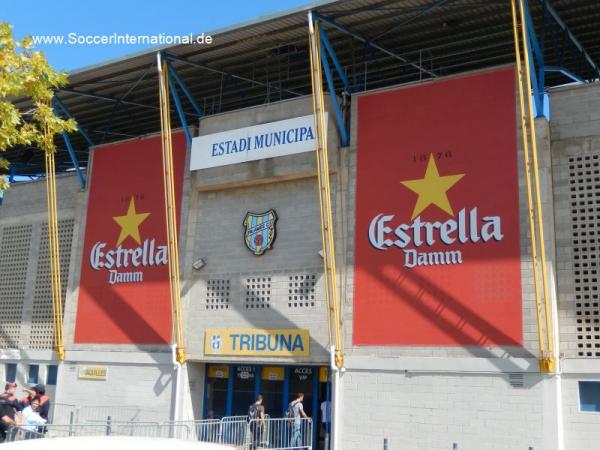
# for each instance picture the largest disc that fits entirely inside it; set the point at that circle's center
(267, 60)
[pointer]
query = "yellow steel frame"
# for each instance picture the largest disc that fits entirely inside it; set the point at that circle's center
(53, 246)
(330, 279)
(548, 360)
(170, 207)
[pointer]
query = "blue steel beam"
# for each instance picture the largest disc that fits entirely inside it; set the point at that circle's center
(336, 107)
(116, 100)
(186, 92)
(537, 77)
(340, 70)
(565, 72)
(571, 37)
(58, 102)
(349, 32)
(222, 72)
(73, 159)
(180, 111)
(412, 18)
(67, 140)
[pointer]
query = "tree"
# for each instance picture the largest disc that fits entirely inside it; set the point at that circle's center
(25, 72)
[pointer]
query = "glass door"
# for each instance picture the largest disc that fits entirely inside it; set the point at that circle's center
(215, 395)
(302, 380)
(271, 388)
(244, 380)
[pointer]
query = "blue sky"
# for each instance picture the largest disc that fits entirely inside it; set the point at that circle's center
(105, 17)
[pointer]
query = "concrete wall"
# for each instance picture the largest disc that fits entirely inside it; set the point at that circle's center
(26, 301)
(138, 387)
(219, 200)
(575, 136)
(26, 297)
(581, 429)
(417, 397)
(419, 386)
(421, 410)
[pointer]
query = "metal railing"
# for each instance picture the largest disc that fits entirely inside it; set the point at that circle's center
(14, 434)
(280, 434)
(275, 434)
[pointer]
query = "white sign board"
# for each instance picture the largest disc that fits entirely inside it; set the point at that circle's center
(284, 137)
(10, 353)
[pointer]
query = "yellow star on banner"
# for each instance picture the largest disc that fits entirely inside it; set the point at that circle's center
(432, 188)
(130, 223)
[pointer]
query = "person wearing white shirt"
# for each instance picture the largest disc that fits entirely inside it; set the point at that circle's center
(30, 417)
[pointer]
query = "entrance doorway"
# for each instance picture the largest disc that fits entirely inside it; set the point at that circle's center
(230, 389)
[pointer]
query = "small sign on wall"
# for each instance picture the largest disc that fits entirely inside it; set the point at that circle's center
(272, 373)
(218, 371)
(92, 373)
(10, 353)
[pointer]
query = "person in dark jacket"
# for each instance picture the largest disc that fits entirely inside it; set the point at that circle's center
(7, 418)
(8, 396)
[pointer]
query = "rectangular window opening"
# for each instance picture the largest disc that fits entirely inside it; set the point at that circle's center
(589, 396)
(11, 372)
(52, 375)
(32, 376)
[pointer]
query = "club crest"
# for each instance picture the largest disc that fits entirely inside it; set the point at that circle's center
(259, 231)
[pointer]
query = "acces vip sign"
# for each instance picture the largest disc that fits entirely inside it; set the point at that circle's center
(437, 224)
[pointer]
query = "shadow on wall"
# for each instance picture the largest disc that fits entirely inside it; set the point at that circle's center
(446, 302)
(264, 317)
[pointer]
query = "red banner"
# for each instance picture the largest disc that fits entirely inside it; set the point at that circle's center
(437, 215)
(124, 294)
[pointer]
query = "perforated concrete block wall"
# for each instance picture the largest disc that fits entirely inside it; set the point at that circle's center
(576, 160)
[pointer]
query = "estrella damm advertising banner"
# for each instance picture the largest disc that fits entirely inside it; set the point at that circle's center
(124, 295)
(437, 215)
(257, 342)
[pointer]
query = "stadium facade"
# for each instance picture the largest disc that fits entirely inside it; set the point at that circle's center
(434, 269)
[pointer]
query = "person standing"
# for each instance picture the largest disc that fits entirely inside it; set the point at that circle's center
(297, 411)
(326, 419)
(256, 417)
(31, 418)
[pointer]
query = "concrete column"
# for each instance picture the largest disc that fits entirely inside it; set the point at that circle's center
(552, 396)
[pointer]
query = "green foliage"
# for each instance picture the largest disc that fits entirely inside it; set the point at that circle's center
(25, 72)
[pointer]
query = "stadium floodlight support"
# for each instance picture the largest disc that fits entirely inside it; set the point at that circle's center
(170, 207)
(548, 361)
